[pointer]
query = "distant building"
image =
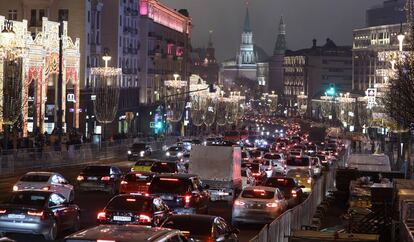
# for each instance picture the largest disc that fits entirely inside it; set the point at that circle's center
(205, 64)
(165, 36)
(310, 72)
(390, 12)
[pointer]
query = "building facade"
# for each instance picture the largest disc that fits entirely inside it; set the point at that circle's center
(204, 62)
(389, 12)
(165, 48)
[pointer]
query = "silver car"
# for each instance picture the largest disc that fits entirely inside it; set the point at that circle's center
(258, 204)
(126, 233)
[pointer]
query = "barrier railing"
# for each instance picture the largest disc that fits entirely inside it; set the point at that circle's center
(21, 161)
(293, 219)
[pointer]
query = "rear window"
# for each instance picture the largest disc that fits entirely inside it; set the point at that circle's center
(144, 163)
(137, 177)
(170, 185)
(129, 203)
(258, 193)
(31, 199)
(35, 178)
(302, 161)
(97, 170)
(164, 167)
(175, 148)
(280, 182)
(272, 156)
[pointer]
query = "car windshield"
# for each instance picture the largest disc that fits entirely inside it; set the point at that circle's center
(144, 163)
(136, 177)
(258, 193)
(29, 199)
(170, 185)
(130, 203)
(35, 178)
(175, 148)
(193, 228)
(138, 146)
(164, 167)
(280, 182)
(271, 156)
(97, 170)
(298, 161)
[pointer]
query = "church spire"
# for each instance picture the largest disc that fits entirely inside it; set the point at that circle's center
(280, 46)
(246, 27)
(210, 39)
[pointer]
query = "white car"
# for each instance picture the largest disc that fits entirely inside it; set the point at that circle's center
(47, 181)
(258, 204)
(274, 164)
(316, 166)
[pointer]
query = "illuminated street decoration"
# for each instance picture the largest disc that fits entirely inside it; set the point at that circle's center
(175, 98)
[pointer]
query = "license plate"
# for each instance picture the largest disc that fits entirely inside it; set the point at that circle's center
(168, 198)
(16, 216)
(92, 178)
(122, 218)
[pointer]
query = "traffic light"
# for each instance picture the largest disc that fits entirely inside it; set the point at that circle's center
(331, 91)
(211, 88)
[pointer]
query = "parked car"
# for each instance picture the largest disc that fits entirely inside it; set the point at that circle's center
(47, 181)
(139, 150)
(126, 233)
(143, 165)
(38, 212)
(183, 193)
(202, 227)
(100, 178)
(135, 182)
(290, 188)
(258, 204)
(168, 167)
(134, 209)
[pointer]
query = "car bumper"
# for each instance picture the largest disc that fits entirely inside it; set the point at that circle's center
(95, 187)
(254, 216)
(25, 227)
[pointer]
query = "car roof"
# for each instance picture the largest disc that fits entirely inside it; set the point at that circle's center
(193, 218)
(125, 233)
(269, 189)
(45, 173)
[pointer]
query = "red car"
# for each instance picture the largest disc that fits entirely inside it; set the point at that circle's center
(136, 182)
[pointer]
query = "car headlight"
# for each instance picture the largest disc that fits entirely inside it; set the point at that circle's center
(167, 154)
(129, 152)
(179, 154)
(142, 153)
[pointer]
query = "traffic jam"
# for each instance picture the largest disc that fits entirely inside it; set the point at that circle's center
(260, 171)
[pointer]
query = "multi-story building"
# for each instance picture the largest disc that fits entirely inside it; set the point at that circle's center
(310, 72)
(165, 46)
(390, 12)
(205, 64)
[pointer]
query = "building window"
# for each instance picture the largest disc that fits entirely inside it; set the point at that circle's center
(13, 14)
(33, 17)
(89, 16)
(63, 14)
(97, 38)
(88, 39)
(98, 19)
(41, 15)
(120, 21)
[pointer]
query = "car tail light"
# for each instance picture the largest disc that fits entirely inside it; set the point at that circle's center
(37, 214)
(131, 200)
(105, 178)
(143, 218)
(238, 203)
(309, 180)
(101, 215)
(3, 211)
(104, 240)
(256, 173)
(336, 153)
(47, 188)
(124, 182)
(271, 205)
(80, 178)
(294, 194)
(187, 199)
(15, 188)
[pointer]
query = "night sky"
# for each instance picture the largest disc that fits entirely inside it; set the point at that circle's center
(305, 19)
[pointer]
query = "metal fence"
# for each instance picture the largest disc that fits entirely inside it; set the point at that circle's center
(293, 219)
(25, 160)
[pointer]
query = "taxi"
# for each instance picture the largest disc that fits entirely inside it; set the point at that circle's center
(143, 165)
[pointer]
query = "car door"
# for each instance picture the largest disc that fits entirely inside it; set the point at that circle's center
(62, 214)
(230, 235)
(66, 187)
(57, 186)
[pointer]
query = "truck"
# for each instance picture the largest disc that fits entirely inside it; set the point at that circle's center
(219, 168)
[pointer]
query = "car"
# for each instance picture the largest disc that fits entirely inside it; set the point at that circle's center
(298, 163)
(304, 178)
(126, 233)
(290, 188)
(202, 227)
(139, 150)
(99, 178)
(255, 154)
(186, 144)
(168, 167)
(257, 172)
(247, 177)
(38, 212)
(134, 209)
(47, 181)
(274, 163)
(136, 182)
(143, 165)
(245, 156)
(316, 166)
(295, 153)
(176, 151)
(183, 193)
(212, 141)
(258, 204)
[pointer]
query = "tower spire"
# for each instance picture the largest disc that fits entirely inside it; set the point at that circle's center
(210, 38)
(280, 45)
(246, 27)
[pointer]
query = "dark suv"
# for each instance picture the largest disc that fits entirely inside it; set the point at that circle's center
(183, 193)
(139, 150)
(99, 178)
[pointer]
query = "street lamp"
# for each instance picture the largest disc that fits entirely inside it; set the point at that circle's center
(400, 38)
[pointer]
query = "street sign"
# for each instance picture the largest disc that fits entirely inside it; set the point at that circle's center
(71, 98)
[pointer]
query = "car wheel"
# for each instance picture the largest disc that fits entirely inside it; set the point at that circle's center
(76, 223)
(71, 196)
(53, 231)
